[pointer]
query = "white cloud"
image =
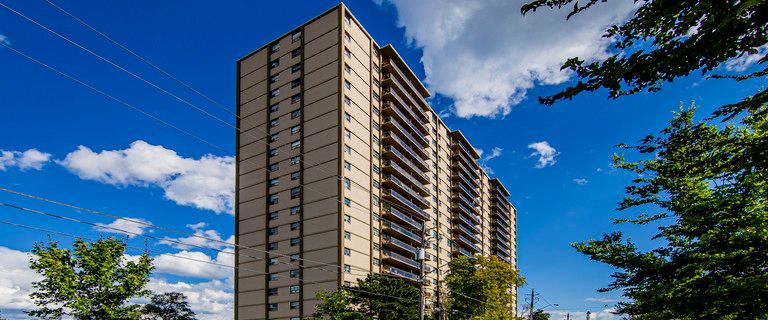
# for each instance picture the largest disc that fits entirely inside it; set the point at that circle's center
(132, 228)
(545, 152)
(209, 300)
(484, 158)
(180, 264)
(486, 55)
(205, 183)
(201, 238)
(581, 181)
(745, 61)
(15, 280)
(24, 160)
(604, 314)
(4, 39)
(603, 300)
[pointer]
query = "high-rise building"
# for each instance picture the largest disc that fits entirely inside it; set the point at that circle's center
(343, 169)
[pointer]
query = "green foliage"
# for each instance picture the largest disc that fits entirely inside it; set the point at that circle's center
(168, 306)
(665, 40)
(705, 185)
(481, 288)
(92, 281)
(540, 315)
(376, 296)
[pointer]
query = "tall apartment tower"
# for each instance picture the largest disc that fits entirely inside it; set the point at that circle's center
(343, 169)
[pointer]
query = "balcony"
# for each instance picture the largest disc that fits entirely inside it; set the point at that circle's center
(462, 251)
(400, 272)
(393, 182)
(392, 82)
(472, 214)
(461, 147)
(404, 202)
(396, 229)
(400, 259)
(501, 241)
(472, 193)
(470, 224)
(393, 167)
(414, 115)
(503, 222)
(472, 173)
(501, 226)
(467, 232)
(500, 205)
(502, 250)
(503, 235)
(469, 202)
(392, 67)
(463, 157)
(417, 168)
(390, 212)
(503, 257)
(501, 215)
(393, 140)
(397, 243)
(460, 177)
(391, 110)
(417, 140)
(466, 242)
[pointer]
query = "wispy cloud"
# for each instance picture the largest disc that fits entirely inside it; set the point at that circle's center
(745, 61)
(125, 226)
(581, 181)
(484, 158)
(602, 300)
(24, 160)
(545, 152)
(206, 238)
(4, 39)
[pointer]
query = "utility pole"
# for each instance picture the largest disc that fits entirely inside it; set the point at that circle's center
(532, 299)
(568, 316)
(589, 315)
(420, 253)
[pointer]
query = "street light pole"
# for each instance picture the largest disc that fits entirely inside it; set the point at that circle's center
(420, 257)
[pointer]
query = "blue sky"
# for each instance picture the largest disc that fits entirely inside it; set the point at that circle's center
(570, 198)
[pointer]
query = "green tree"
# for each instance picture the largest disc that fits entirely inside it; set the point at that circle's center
(376, 296)
(482, 288)
(665, 40)
(705, 186)
(168, 306)
(91, 281)
(540, 315)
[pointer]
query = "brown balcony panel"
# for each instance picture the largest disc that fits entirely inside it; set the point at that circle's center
(417, 167)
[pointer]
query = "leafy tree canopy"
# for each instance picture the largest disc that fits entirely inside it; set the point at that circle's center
(376, 296)
(168, 306)
(665, 40)
(91, 281)
(482, 288)
(706, 185)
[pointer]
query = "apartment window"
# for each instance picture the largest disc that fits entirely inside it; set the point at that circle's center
(347, 149)
(274, 64)
(376, 261)
(273, 306)
(376, 111)
(274, 167)
(376, 140)
(347, 84)
(347, 235)
(295, 175)
(347, 218)
(295, 160)
(347, 116)
(295, 226)
(295, 129)
(375, 200)
(348, 20)
(274, 137)
(347, 184)
(347, 268)
(347, 165)
(273, 198)
(347, 53)
(273, 261)
(376, 82)
(274, 123)
(295, 242)
(274, 152)
(295, 145)
(376, 68)
(295, 83)
(347, 284)
(295, 192)
(347, 133)
(274, 78)
(273, 277)
(294, 273)
(296, 36)
(274, 93)
(376, 53)
(347, 252)
(347, 101)
(296, 52)
(296, 98)
(295, 289)
(375, 125)
(272, 246)
(376, 184)
(295, 114)
(295, 257)
(294, 305)
(376, 96)
(296, 67)
(376, 169)
(274, 48)
(347, 37)
(272, 231)
(347, 69)
(376, 247)
(295, 210)
(376, 155)
(347, 203)
(273, 216)
(274, 182)
(272, 291)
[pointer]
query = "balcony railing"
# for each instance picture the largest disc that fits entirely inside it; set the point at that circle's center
(468, 243)
(400, 272)
(388, 240)
(406, 202)
(390, 93)
(388, 63)
(472, 173)
(463, 157)
(460, 145)
(469, 213)
(416, 155)
(393, 167)
(391, 109)
(401, 258)
(502, 241)
(503, 257)
(470, 202)
(468, 223)
(460, 250)
(415, 166)
(417, 140)
(500, 249)
(468, 232)
(393, 82)
(457, 176)
(415, 196)
(460, 185)
(390, 211)
(504, 235)
(500, 205)
(389, 225)
(504, 222)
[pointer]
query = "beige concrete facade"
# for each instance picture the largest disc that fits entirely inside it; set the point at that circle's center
(343, 169)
